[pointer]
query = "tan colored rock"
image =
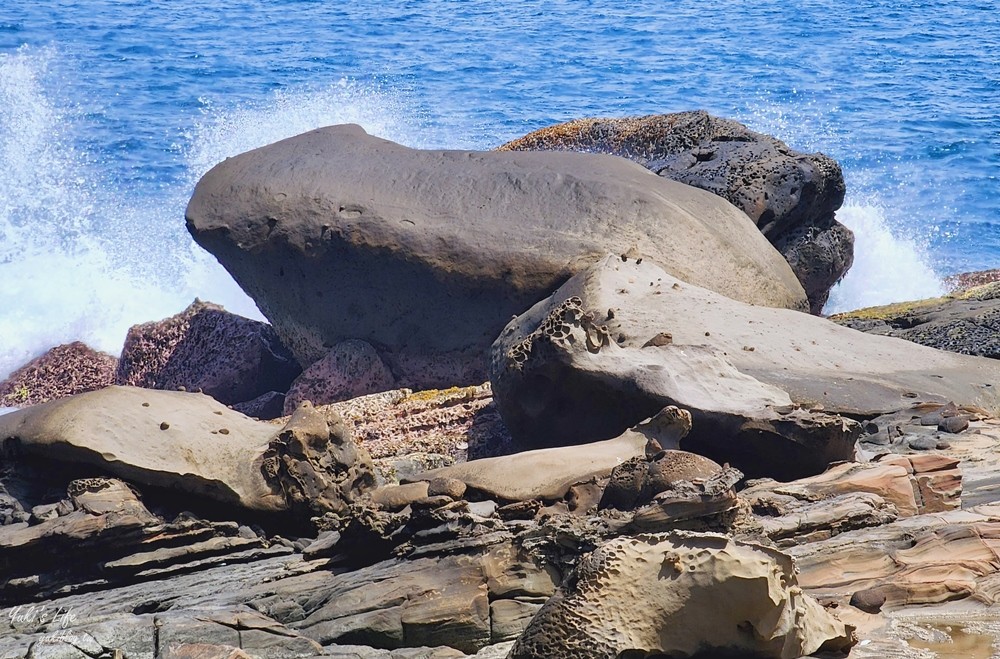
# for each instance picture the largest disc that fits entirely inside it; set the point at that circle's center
(661, 594)
(937, 480)
(192, 444)
(549, 473)
(397, 497)
(574, 368)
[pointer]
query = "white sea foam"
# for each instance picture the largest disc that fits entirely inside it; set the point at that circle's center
(890, 264)
(888, 267)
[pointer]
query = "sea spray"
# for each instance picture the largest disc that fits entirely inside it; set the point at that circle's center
(84, 256)
(887, 266)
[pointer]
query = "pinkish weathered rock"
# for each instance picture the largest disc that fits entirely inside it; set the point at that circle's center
(205, 348)
(351, 369)
(62, 371)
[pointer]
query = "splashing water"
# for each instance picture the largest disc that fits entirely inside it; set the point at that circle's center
(887, 268)
(85, 258)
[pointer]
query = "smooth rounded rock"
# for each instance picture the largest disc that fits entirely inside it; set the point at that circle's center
(426, 255)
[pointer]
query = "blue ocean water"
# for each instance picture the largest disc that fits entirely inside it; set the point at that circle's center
(110, 110)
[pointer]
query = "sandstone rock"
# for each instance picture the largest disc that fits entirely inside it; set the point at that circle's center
(547, 474)
(660, 594)
(231, 358)
(425, 255)
(790, 196)
(62, 371)
(568, 371)
(852, 496)
(397, 497)
(920, 560)
(351, 369)
(636, 481)
(195, 446)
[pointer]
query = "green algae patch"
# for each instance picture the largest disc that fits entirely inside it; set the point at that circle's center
(889, 311)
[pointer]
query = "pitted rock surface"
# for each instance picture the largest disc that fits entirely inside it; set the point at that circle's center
(635, 482)
(351, 369)
(427, 254)
(790, 196)
(661, 594)
(228, 357)
(316, 464)
(62, 371)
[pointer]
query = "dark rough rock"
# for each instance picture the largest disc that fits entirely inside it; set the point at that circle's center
(62, 371)
(635, 482)
(953, 424)
(351, 369)
(270, 405)
(869, 600)
(791, 196)
(566, 372)
(205, 348)
(425, 255)
(966, 322)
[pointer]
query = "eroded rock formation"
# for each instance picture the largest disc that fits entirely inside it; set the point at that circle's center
(623, 339)
(664, 594)
(194, 446)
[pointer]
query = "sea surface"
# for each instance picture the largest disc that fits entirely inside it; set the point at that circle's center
(110, 111)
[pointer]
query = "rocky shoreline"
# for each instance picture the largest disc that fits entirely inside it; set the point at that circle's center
(528, 403)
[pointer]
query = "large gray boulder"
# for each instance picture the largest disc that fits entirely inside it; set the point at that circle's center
(622, 339)
(427, 254)
(791, 196)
